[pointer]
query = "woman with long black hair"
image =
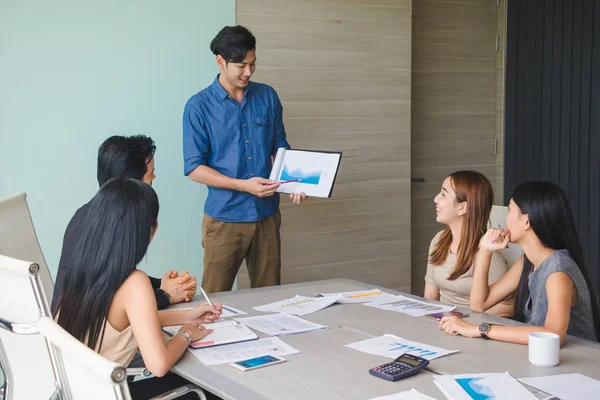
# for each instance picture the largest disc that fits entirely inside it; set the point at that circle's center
(553, 293)
(109, 304)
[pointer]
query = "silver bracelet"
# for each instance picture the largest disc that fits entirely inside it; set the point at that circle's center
(186, 335)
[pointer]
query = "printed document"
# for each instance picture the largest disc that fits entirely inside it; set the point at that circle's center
(361, 296)
(280, 324)
(392, 346)
(243, 351)
(565, 386)
(308, 171)
(481, 386)
(408, 395)
(412, 307)
(299, 305)
(224, 332)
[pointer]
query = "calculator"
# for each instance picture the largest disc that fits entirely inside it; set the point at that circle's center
(402, 367)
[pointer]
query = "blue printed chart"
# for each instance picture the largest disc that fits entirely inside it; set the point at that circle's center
(392, 346)
(307, 178)
(310, 172)
(494, 386)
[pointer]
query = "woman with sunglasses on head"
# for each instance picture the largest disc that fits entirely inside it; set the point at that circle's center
(553, 293)
(463, 204)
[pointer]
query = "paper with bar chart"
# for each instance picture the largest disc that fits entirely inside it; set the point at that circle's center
(413, 307)
(308, 171)
(392, 346)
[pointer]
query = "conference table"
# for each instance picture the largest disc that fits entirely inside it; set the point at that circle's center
(325, 369)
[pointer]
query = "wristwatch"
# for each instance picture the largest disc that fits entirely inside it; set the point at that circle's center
(186, 335)
(484, 329)
(164, 292)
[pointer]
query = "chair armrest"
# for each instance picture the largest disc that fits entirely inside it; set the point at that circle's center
(138, 372)
(180, 391)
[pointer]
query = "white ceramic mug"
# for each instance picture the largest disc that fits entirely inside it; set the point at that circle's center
(544, 349)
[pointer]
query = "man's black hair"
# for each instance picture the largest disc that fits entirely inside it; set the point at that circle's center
(233, 43)
(124, 157)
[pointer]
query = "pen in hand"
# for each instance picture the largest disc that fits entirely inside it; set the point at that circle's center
(282, 182)
(206, 297)
(500, 235)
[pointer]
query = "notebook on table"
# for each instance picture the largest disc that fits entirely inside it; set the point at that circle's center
(224, 332)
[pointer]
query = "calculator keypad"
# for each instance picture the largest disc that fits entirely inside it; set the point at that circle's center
(392, 368)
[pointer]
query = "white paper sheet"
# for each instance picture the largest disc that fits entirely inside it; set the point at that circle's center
(315, 171)
(392, 346)
(243, 351)
(360, 296)
(280, 324)
(481, 386)
(408, 395)
(227, 331)
(228, 311)
(406, 305)
(299, 305)
(565, 386)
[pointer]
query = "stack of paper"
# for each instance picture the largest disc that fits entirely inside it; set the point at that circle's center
(223, 332)
(408, 395)
(481, 386)
(360, 296)
(391, 346)
(299, 305)
(406, 305)
(280, 324)
(243, 351)
(565, 386)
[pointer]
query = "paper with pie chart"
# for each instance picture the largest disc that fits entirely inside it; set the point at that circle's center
(309, 171)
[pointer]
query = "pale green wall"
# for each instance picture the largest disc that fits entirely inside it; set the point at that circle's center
(74, 72)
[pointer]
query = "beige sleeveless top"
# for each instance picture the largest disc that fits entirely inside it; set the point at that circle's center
(458, 292)
(119, 347)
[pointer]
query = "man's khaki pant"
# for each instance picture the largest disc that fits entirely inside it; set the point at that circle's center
(226, 244)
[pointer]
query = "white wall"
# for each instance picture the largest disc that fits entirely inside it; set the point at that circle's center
(73, 73)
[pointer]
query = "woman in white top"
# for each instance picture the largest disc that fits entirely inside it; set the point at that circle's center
(463, 205)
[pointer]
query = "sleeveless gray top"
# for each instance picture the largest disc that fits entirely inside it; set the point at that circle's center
(581, 321)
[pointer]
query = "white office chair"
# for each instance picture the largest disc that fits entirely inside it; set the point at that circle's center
(19, 240)
(27, 363)
(498, 217)
(92, 376)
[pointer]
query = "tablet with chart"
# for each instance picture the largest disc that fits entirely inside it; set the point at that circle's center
(309, 171)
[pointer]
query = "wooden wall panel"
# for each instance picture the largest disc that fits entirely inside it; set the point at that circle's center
(342, 71)
(454, 107)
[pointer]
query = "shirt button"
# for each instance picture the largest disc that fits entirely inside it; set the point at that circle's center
(250, 158)
(244, 124)
(247, 141)
(251, 174)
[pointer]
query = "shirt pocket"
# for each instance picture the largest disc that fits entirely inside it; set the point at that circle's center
(265, 122)
(265, 128)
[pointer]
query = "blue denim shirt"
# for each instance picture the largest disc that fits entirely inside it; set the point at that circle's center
(236, 140)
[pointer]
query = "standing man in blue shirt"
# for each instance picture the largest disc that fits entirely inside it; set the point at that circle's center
(231, 131)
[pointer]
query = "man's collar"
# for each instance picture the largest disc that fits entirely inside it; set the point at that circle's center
(221, 93)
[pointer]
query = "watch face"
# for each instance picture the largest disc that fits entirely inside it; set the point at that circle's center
(484, 327)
